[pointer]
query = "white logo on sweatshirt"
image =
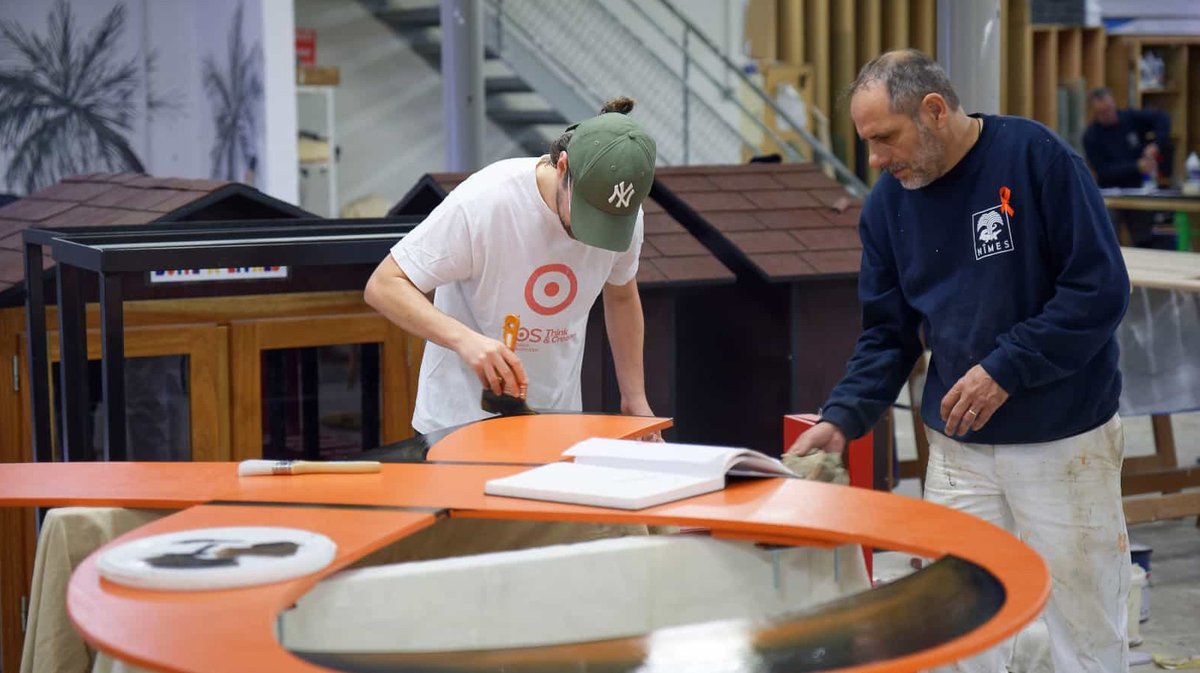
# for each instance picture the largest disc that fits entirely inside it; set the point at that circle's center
(991, 232)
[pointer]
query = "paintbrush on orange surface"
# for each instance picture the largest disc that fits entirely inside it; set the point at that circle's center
(504, 403)
(255, 468)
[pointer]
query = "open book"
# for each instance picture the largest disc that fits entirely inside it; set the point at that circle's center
(626, 474)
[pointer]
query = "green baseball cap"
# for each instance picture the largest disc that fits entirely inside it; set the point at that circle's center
(611, 161)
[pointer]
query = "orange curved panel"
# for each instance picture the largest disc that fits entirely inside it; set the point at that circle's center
(143, 626)
(226, 630)
(176, 631)
(537, 439)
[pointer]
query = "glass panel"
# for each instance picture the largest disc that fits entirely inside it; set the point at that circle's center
(157, 408)
(320, 403)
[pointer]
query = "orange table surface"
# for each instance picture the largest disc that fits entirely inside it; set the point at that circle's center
(176, 631)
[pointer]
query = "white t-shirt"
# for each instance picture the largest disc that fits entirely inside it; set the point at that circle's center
(492, 248)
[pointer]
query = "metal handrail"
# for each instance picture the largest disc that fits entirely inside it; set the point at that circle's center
(530, 40)
(519, 31)
(793, 154)
(848, 178)
(681, 73)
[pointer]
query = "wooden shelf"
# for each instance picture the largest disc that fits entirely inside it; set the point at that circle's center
(1058, 57)
(1180, 98)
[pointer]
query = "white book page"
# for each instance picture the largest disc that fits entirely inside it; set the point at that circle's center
(601, 486)
(697, 459)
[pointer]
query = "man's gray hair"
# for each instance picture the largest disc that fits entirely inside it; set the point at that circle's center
(909, 76)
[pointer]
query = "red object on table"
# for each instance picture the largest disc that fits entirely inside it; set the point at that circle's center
(859, 458)
(306, 47)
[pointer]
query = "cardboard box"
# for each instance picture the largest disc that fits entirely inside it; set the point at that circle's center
(318, 75)
(762, 28)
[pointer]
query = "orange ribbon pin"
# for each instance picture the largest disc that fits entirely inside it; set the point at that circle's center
(1005, 194)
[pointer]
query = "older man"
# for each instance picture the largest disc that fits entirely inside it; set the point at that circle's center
(987, 237)
(1125, 147)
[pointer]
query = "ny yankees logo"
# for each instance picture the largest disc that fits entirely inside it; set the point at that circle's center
(621, 192)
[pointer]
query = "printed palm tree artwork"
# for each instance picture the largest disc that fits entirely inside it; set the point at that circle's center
(236, 93)
(67, 101)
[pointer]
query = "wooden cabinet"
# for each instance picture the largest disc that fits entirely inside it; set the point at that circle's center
(222, 340)
(250, 339)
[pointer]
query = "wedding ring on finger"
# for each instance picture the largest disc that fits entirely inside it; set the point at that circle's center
(972, 412)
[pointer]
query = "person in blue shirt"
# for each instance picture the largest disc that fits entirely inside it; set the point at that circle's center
(1125, 147)
(986, 241)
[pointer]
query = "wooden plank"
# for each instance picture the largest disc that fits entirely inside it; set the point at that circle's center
(896, 14)
(869, 38)
(1193, 112)
(245, 384)
(357, 328)
(16, 524)
(816, 47)
(1070, 54)
(791, 31)
(1164, 439)
(223, 392)
(226, 309)
(16, 576)
(207, 373)
(395, 370)
(14, 447)
(1120, 69)
(870, 45)
(844, 55)
(1005, 33)
(1176, 506)
(923, 26)
(416, 351)
(1143, 464)
(1045, 76)
(1093, 56)
(1160, 481)
(1017, 60)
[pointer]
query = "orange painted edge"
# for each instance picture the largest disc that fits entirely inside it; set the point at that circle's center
(517, 439)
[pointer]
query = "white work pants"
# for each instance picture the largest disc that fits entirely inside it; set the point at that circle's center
(1063, 499)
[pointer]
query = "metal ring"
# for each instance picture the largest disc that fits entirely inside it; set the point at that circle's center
(972, 412)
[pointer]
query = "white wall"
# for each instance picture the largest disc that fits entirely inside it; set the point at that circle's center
(182, 35)
(279, 167)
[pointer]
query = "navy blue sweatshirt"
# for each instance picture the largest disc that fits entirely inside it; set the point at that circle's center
(1114, 150)
(1034, 292)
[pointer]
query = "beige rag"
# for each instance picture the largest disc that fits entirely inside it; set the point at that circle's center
(818, 466)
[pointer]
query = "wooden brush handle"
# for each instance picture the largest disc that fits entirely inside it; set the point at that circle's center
(339, 467)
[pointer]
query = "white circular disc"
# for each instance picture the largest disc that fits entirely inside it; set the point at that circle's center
(216, 558)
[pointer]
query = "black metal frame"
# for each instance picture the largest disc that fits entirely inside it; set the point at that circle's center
(113, 252)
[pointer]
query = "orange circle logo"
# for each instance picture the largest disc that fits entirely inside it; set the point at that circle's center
(551, 289)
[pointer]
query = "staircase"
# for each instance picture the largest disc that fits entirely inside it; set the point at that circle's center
(552, 62)
(511, 103)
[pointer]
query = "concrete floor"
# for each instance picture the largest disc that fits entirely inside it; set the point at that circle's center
(1173, 627)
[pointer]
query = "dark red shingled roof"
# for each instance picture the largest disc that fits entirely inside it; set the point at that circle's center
(106, 198)
(781, 221)
(670, 254)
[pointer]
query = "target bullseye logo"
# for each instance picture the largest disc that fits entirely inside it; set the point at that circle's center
(551, 289)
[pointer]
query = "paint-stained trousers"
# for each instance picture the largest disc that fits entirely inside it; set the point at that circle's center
(1063, 499)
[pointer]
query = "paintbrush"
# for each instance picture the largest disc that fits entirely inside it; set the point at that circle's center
(255, 468)
(504, 403)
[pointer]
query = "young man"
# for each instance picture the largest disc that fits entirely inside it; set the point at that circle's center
(987, 238)
(1124, 146)
(539, 239)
